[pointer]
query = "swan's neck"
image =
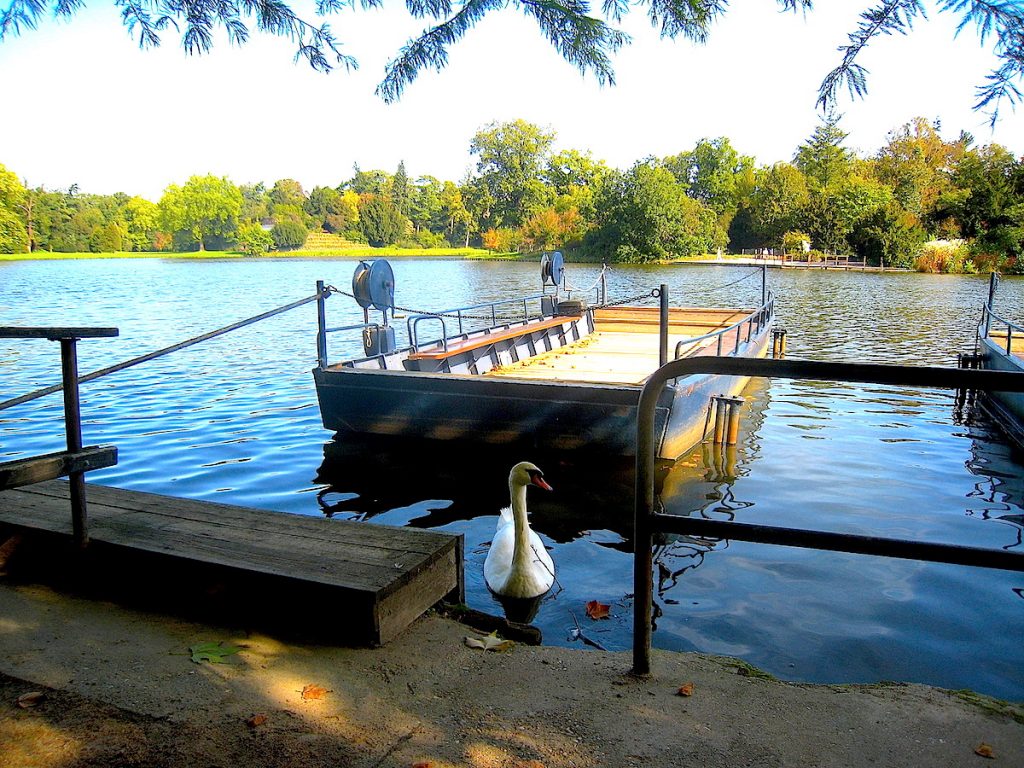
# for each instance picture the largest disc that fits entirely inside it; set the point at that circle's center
(521, 554)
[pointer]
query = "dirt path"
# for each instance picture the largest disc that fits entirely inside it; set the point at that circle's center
(120, 689)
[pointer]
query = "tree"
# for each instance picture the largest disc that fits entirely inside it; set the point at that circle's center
(822, 158)
(255, 203)
(458, 221)
(778, 201)
(286, 234)
(644, 214)
(380, 221)
(253, 240)
(13, 234)
(141, 222)
(287, 199)
(917, 163)
(585, 41)
(400, 189)
(511, 158)
(205, 207)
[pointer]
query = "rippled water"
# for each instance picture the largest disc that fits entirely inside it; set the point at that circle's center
(235, 419)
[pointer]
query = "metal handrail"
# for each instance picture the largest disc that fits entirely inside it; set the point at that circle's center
(760, 316)
(413, 320)
(988, 315)
(647, 521)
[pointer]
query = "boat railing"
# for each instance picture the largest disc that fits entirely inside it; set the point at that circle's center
(648, 521)
(487, 311)
(985, 330)
(754, 322)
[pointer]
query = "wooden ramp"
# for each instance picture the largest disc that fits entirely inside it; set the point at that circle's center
(374, 579)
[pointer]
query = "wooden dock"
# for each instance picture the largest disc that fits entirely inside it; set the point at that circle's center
(370, 580)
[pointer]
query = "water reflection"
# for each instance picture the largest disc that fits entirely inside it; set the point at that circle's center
(1000, 484)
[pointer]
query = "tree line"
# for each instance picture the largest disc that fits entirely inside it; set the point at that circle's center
(523, 195)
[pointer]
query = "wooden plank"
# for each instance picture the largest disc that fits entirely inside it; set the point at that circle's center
(36, 469)
(55, 334)
(214, 514)
(384, 576)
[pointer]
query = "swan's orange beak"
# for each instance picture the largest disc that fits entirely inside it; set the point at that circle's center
(538, 479)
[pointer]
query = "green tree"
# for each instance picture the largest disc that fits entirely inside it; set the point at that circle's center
(778, 202)
(458, 221)
(287, 200)
(287, 234)
(205, 207)
(511, 158)
(400, 192)
(13, 233)
(253, 240)
(822, 158)
(380, 221)
(255, 203)
(368, 182)
(141, 223)
(644, 214)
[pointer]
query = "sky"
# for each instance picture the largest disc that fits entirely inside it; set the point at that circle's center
(82, 104)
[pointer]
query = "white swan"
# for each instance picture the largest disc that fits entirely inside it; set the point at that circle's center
(517, 564)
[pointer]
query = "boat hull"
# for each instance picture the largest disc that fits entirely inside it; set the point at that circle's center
(553, 415)
(1006, 407)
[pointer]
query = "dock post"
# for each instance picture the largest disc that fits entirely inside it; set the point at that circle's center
(733, 432)
(321, 329)
(779, 343)
(73, 429)
(663, 326)
(719, 404)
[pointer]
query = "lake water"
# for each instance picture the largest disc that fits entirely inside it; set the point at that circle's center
(235, 420)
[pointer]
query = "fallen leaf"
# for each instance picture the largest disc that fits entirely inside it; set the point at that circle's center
(312, 691)
(422, 765)
(985, 750)
(30, 699)
(212, 652)
(686, 689)
(489, 642)
(596, 610)
(531, 764)
(256, 720)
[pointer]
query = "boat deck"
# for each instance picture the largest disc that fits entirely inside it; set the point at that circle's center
(623, 348)
(1016, 344)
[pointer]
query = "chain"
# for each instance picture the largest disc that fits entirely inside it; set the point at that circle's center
(651, 294)
(738, 280)
(408, 310)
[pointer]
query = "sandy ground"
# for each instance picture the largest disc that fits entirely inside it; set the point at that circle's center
(119, 689)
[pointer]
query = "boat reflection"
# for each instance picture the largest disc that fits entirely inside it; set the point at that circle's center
(998, 466)
(703, 483)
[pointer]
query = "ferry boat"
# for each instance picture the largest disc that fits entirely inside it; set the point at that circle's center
(999, 347)
(550, 371)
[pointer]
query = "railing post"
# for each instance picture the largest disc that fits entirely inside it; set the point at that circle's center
(73, 430)
(643, 540)
(993, 281)
(321, 326)
(663, 325)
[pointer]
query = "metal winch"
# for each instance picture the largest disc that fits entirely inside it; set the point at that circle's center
(373, 285)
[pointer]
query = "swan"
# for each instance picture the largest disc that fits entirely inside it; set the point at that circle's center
(517, 564)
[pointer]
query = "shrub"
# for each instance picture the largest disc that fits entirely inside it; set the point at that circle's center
(945, 256)
(252, 239)
(289, 234)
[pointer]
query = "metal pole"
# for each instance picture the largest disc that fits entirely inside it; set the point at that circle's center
(663, 326)
(993, 281)
(73, 430)
(764, 284)
(321, 326)
(643, 541)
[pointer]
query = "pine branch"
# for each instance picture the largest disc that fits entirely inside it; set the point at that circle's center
(891, 17)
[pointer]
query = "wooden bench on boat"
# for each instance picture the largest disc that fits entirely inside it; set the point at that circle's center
(371, 581)
(459, 346)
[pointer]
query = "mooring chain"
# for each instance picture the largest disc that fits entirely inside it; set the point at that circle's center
(738, 280)
(654, 293)
(409, 310)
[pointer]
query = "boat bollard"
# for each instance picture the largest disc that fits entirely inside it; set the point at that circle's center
(721, 405)
(778, 343)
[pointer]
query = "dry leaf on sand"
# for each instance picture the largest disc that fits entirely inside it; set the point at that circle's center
(489, 642)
